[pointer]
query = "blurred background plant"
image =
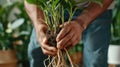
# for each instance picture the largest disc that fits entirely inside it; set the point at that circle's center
(115, 29)
(15, 28)
(114, 47)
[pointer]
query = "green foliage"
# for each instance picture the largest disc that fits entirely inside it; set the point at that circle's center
(97, 1)
(77, 48)
(15, 30)
(4, 25)
(65, 3)
(32, 1)
(116, 24)
(54, 11)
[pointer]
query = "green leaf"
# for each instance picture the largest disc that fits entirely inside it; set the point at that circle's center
(55, 3)
(42, 1)
(115, 12)
(66, 0)
(36, 1)
(32, 1)
(97, 1)
(1, 27)
(17, 23)
(118, 19)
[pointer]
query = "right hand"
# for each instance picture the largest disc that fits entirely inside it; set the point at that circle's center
(43, 41)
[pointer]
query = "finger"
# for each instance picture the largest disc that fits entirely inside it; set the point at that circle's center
(42, 37)
(62, 42)
(67, 44)
(46, 46)
(49, 52)
(70, 40)
(45, 40)
(63, 33)
(74, 40)
(49, 48)
(69, 47)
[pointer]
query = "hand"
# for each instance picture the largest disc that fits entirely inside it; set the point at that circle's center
(42, 39)
(69, 35)
(37, 17)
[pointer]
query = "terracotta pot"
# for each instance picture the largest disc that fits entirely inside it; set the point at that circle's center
(112, 65)
(8, 58)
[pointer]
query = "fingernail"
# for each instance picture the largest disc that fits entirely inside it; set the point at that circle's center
(58, 46)
(57, 39)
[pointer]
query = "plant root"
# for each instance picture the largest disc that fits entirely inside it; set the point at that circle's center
(59, 60)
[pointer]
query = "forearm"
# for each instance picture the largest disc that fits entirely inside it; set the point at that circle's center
(35, 14)
(91, 12)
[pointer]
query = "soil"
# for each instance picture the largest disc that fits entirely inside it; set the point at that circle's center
(51, 38)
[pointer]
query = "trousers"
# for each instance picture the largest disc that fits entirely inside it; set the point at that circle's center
(96, 39)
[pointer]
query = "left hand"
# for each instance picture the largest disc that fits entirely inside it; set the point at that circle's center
(69, 35)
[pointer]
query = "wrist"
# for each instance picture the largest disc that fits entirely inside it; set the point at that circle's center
(82, 23)
(84, 20)
(81, 27)
(40, 26)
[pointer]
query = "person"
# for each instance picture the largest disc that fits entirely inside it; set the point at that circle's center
(91, 26)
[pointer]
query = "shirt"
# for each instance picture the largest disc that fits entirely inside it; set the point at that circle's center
(86, 3)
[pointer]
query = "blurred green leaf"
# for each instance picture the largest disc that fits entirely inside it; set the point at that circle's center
(115, 29)
(1, 27)
(55, 3)
(17, 23)
(97, 1)
(32, 1)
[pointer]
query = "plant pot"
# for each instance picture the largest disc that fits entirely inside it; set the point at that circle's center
(8, 58)
(114, 54)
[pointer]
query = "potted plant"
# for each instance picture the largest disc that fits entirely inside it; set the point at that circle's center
(7, 54)
(114, 48)
(24, 35)
(54, 13)
(14, 34)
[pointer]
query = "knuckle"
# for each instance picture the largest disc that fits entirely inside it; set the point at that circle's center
(44, 40)
(69, 42)
(42, 46)
(64, 40)
(68, 35)
(72, 40)
(45, 52)
(59, 45)
(58, 39)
